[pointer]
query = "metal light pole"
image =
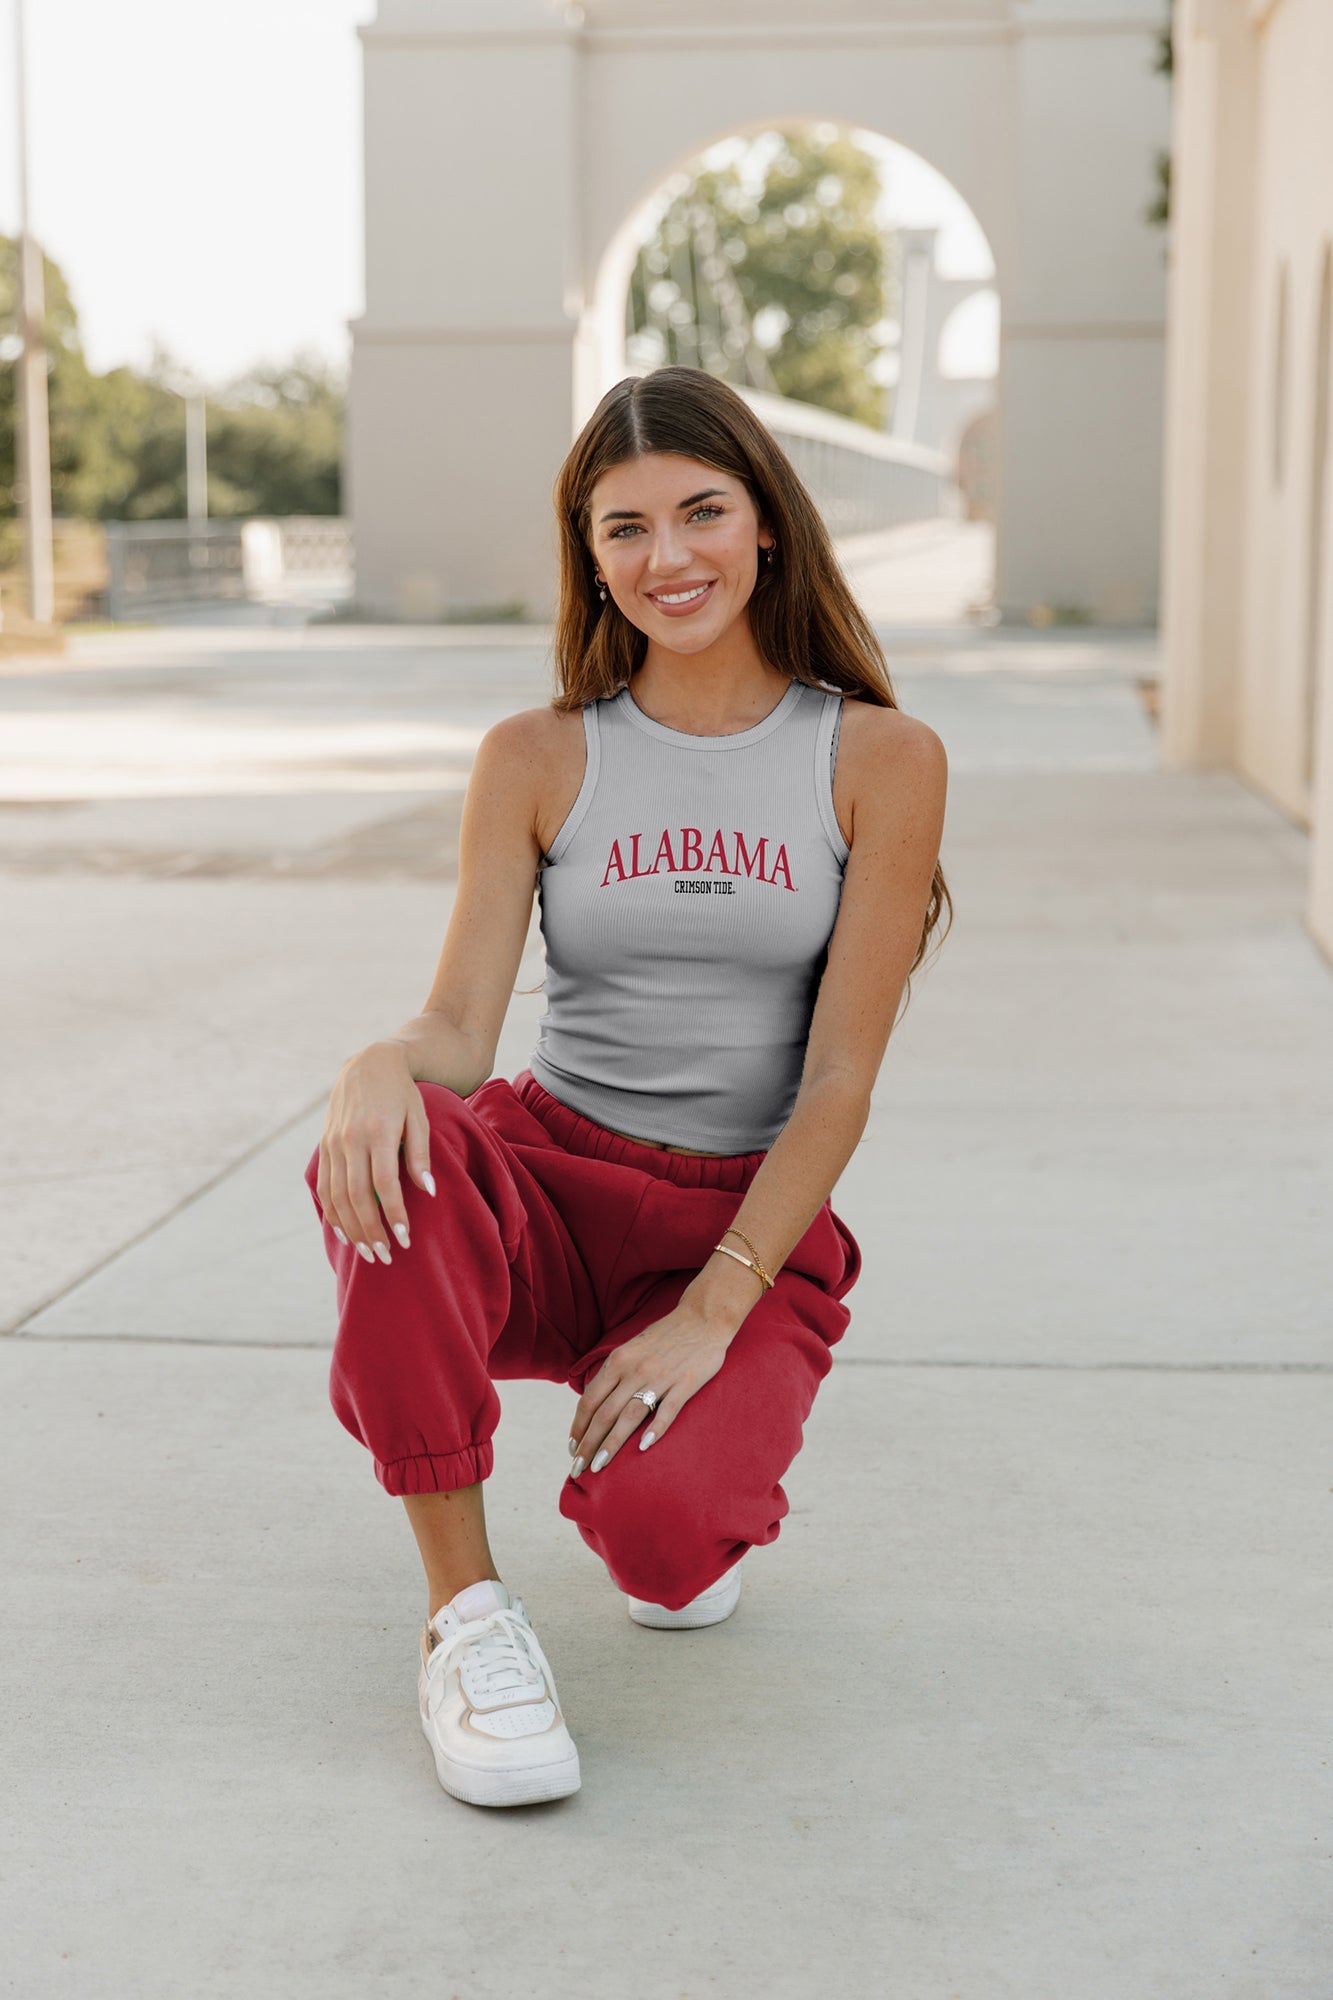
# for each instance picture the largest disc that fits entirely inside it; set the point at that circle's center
(34, 437)
(196, 458)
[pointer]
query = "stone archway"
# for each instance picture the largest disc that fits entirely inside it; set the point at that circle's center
(930, 412)
(603, 343)
(508, 140)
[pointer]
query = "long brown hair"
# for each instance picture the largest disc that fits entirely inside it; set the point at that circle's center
(802, 613)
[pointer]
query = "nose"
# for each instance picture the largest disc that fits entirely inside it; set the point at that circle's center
(669, 553)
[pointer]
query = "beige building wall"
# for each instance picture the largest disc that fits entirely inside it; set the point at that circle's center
(1247, 624)
(509, 143)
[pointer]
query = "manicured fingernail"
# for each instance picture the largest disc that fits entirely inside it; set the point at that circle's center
(382, 1252)
(338, 1233)
(366, 1252)
(576, 1468)
(599, 1461)
(428, 1180)
(573, 1446)
(400, 1231)
(646, 1440)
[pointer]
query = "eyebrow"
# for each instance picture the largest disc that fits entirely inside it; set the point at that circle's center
(636, 514)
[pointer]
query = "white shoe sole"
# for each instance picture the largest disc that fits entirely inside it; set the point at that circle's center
(709, 1608)
(519, 1785)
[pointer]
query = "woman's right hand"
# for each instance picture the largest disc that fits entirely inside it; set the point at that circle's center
(374, 1109)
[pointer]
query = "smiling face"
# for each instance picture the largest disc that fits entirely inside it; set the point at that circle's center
(679, 545)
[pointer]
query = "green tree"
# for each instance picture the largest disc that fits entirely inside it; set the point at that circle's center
(130, 430)
(118, 439)
(795, 251)
(70, 391)
(275, 440)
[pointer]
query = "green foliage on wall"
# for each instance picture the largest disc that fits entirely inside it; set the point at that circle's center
(1158, 211)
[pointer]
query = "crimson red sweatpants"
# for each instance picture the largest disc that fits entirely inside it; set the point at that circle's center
(549, 1241)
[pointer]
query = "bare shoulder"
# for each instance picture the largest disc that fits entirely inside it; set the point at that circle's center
(886, 756)
(529, 732)
(535, 757)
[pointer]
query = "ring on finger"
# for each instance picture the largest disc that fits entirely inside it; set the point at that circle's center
(646, 1396)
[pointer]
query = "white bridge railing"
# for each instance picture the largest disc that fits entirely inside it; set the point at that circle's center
(860, 479)
(155, 566)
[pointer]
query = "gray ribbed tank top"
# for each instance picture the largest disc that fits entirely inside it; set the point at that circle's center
(686, 906)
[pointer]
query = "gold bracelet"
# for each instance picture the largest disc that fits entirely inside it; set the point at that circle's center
(750, 1263)
(764, 1280)
(733, 1231)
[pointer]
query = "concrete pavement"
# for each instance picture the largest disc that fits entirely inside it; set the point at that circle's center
(1029, 1697)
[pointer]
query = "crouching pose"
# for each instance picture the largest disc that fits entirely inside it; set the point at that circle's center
(733, 832)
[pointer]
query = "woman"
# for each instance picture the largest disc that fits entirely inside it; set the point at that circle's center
(737, 872)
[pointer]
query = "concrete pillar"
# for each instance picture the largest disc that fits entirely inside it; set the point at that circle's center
(1082, 318)
(463, 362)
(1205, 447)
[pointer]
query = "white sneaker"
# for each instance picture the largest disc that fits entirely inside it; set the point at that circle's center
(488, 1703)
(710, 1607)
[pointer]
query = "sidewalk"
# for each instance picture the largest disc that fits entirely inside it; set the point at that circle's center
(1028, 1701)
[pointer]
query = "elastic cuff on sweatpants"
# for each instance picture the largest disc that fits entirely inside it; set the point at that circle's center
(437, 1471)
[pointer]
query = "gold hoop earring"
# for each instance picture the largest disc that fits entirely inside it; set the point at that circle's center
(602, 590)
(770, 552)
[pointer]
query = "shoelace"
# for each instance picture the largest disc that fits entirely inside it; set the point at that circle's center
(507, 1653)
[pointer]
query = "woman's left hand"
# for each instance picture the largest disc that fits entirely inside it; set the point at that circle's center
(675, 1356)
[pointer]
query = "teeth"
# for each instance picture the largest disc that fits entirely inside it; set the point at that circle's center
(680, 596)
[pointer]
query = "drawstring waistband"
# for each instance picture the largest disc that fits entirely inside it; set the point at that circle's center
(577, 1134)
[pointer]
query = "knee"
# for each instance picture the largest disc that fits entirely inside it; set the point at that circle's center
(311, 1178)
(663, 1532)
(459, 1139)
(448, 1114)
(465, 1151)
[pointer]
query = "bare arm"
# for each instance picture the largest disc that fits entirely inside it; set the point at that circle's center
(899, 784)
(453, 1039)
(375, 1107)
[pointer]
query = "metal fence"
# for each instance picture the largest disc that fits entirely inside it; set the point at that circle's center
(161, 566)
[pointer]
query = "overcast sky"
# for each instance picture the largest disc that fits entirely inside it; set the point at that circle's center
(196, 172)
